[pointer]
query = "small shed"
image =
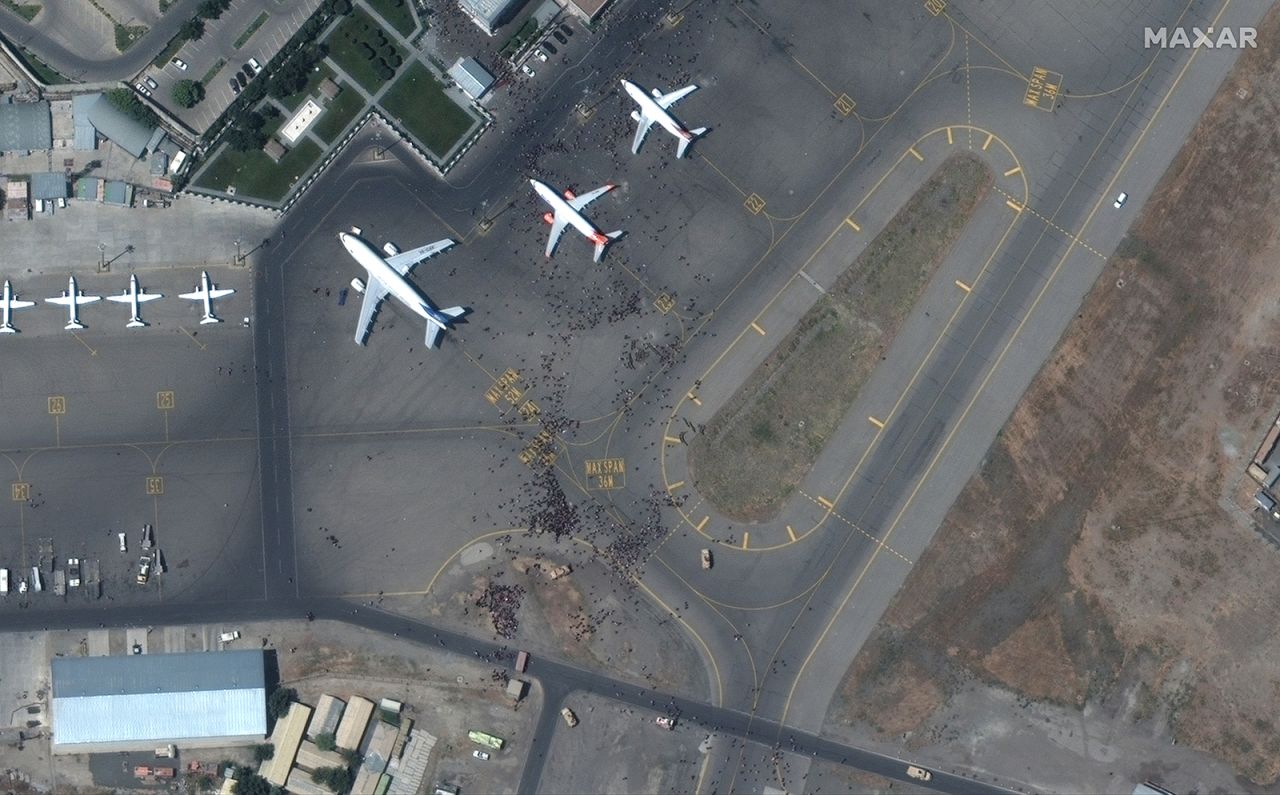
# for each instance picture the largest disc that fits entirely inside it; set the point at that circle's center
(49, 185)
(275, 150)
(474, 80)
(118, 193)
(328, 88)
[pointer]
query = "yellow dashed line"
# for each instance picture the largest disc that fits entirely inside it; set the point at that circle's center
(1013, 171)
(757, 328)
(791, 532)
(850, 222)
(916, 154)
(745, 538)
(1059, 229)
(703, 523)
(963, 286)
(990, 137)
(875, 422)
(675, 485)
(825, 503)
(878, 542)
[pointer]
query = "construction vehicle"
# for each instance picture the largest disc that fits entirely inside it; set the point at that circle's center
(147, 537)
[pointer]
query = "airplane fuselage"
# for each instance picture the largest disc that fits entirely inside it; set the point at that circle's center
(396, 285)
(562, 208)
(653, 110)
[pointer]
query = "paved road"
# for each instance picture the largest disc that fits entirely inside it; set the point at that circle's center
(558, 680)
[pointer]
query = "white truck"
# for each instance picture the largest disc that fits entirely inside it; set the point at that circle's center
(4, 581)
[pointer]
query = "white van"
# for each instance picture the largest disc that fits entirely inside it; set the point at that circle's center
(35, 579)
(39, 205)
(4, 581)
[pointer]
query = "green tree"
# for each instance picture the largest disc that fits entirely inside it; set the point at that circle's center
(188, 93)
(211, 9)
(128, 103)
(192, 29)
(338, 779)
(280, 698)
(250, 783)
(263, 751)
(325, 741)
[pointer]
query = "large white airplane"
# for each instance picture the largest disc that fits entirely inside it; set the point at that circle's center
(8, 303)
(72, 298)
(654, 109)
(387, 275)
(133, 297)
(206, 292)
(568, 211)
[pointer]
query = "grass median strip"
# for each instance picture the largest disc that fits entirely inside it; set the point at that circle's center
(252, 29)
(765, 439)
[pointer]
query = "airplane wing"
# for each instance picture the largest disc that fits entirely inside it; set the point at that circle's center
(403, 262)
(123, 298)
(374, 292)
(16, 304)
(144, 297)
(667, 100)
(642, 130)
(578, 202)
(67, 300)
(557, 229)
(198, 295)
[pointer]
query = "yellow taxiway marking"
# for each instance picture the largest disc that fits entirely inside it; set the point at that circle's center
(825, 503)
(746, 536)
(675, 485)
(963, 286)
(57, 404)
(1013, 205)
(950, 140)
(757, 328)
(875, 422)
(791, 532)
(703, 523)
(916, 154)
(80, 340)
(850, 222)
(193, 338)
(694, 398)
(1013, 171)
(990, 137)
(670, 440)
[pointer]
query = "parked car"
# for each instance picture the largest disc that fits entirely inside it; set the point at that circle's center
(919, 773)
(151, 82)
(560, 37)
(241, 79)
(540, 55)
(123, 546)
(528, 72)
(566, 30)
(483, 756)
(181, 64)
(569, 717)
(549, 48)
(143, 90)
(248, 72)
(257, 67)
(144, 569)
(235, 87)
(227, 637)
(1120, 200)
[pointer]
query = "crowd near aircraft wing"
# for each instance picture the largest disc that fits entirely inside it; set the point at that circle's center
(403, 262)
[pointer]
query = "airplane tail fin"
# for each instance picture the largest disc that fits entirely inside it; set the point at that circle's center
(207, 319)
(8, 328)
(134, 324)
(600, 247)
(684, 142)
(74, 325)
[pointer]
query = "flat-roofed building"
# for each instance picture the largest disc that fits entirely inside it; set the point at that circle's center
(25, 126)
(136, 702)
(328, 713)
(287, 737)
(490, 14)
(471, 77)
(355, 718)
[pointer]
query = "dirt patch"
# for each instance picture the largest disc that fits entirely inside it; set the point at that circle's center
(765, 439)
(1091, 551)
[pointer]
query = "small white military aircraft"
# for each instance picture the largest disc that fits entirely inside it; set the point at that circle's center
(568, 211)
(8, 303)
(387, 274)
(654, 109)
(133, 297)
(206, 291)
(72, 298)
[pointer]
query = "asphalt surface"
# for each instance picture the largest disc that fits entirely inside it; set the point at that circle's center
(558, 680)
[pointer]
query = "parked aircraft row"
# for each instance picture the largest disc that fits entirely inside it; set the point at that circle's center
(73, 298)
(567, 211)
(388, 275)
